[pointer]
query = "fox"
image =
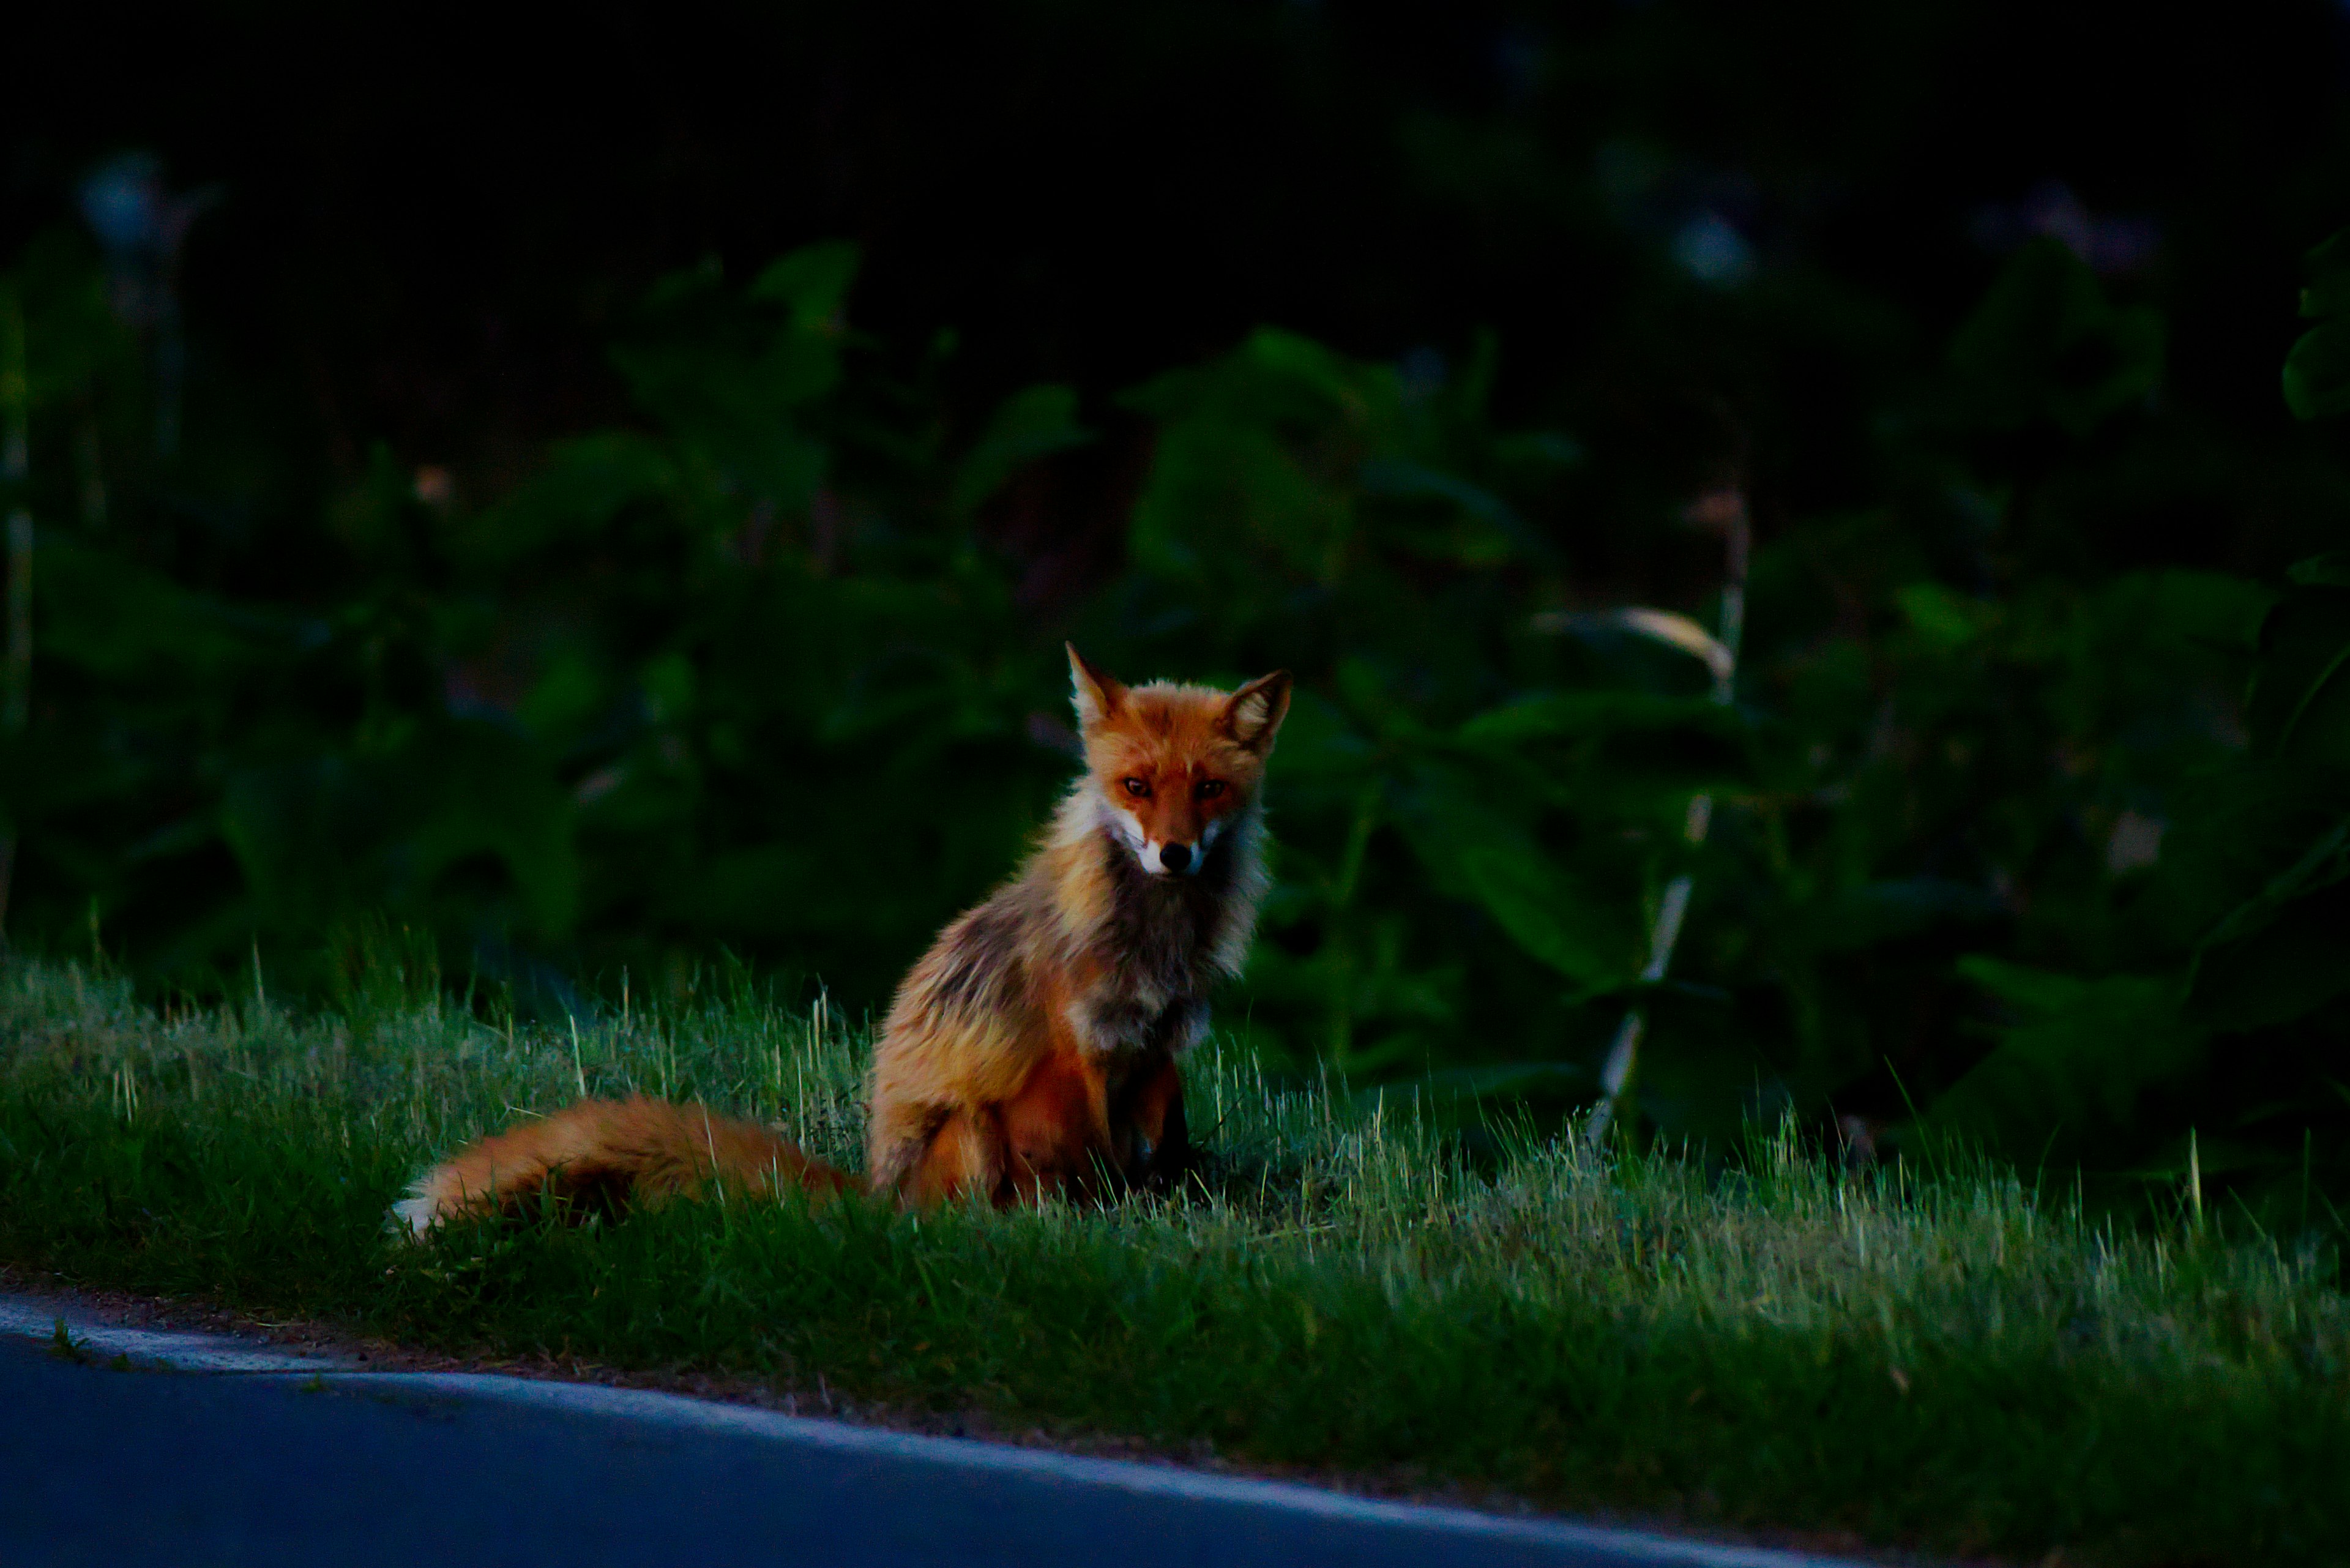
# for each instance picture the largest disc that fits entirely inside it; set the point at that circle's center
(1033, 1052)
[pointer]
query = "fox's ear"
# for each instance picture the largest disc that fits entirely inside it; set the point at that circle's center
(1252, 714)
(1097, 692)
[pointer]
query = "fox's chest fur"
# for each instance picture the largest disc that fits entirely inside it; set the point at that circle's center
(1142, 983)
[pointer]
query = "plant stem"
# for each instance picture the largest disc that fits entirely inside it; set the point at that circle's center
(1725, 509)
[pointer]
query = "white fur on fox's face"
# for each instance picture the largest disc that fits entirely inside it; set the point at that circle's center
(1148, 850)
(1128, 828)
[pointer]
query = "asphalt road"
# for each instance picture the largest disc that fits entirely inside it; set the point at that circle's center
(244, 1462)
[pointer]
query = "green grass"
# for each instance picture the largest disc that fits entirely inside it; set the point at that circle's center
(1946, 1364)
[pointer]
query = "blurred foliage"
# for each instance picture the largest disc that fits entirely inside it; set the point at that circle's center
(2026, 821)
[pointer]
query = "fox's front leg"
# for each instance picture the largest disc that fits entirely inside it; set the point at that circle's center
(1157, 1138)
(1094, 1037)
(1055, 1131)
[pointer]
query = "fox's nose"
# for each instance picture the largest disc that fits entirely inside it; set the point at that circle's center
(1176, 857)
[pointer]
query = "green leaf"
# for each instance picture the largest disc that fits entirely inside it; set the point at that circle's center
(1319, 742)
(1574, 714)
(1542, 450)
(587, 481)
(1484, 529)
(2075, 1063)
(730, 378)
(1544, 912)
(2046, 344)
(316, 834)
(2318, 367)
(1617, 756)
(108, 615)
(813, 281)
(1897, 909)
(1032, 423)
(2330, 570)
(1475, 845)
(2328, 264)
(2317, 372)
(2299, 708)
(1947, 621)
(1226, 501)
(2280, 954)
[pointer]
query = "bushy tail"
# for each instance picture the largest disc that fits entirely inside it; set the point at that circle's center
(611, 1154)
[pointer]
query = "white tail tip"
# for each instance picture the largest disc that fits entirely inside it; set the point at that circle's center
(412, 1217)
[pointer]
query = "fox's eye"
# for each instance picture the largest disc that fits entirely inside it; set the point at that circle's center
(1138, 788)
(1208, 789)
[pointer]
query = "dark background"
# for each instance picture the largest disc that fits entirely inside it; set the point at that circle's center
(429, 221)
(1980, 309)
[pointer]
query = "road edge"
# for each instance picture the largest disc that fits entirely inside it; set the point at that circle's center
(77, 1333)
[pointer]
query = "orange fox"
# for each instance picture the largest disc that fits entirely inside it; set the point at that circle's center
(1032, 1049)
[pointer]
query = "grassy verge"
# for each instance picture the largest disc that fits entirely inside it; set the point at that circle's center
(1943, 1364)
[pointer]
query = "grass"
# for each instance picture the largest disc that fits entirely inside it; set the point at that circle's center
(1947, 1363)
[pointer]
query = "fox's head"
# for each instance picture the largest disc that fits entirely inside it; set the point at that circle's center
(1174, 766)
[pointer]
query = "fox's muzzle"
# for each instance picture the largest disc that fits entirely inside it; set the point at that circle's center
(1172, 858)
